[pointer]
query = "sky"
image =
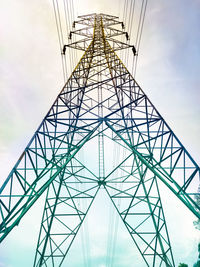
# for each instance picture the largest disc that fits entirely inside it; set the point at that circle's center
(31, 77)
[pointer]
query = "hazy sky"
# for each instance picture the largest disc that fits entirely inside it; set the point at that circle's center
(31, 77)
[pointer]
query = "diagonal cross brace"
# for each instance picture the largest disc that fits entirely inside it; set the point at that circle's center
(160, 172)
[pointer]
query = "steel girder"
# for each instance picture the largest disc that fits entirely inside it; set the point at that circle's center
(100, 104)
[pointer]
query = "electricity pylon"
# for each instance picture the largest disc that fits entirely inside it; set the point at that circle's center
(100, 107)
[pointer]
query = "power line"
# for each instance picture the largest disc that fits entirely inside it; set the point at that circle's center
(140, 30)
(60, 36)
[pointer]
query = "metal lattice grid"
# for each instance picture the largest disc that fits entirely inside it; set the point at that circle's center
(101, 104)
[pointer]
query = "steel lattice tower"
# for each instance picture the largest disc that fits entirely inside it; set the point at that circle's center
(101, 104)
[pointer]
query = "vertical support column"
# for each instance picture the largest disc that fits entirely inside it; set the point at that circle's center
(101, 135)
(100, 100)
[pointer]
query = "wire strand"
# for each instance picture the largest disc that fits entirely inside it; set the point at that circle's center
(139, 36)
(60, 37)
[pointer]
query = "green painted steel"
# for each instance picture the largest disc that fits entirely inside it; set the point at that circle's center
(102, 106)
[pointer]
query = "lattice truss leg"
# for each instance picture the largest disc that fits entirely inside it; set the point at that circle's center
(101, 104)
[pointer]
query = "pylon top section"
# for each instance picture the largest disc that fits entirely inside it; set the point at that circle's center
(94, 26)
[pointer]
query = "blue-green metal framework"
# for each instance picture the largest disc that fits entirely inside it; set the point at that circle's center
(100, 103)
